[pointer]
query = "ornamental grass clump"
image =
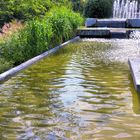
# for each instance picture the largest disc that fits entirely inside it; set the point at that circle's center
(28, 42)
(5, 65)
(64, 23)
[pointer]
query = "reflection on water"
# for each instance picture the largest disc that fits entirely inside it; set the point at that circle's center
(83, 92)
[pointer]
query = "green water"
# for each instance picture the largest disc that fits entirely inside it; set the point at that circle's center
(80, 93)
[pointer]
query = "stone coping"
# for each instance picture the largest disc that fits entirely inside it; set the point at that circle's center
(111, 19)
(134, 64)
(118, 23)
(8, 74)
(107, 28)
(94, 33)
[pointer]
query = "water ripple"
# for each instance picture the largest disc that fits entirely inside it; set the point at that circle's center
(82, 92)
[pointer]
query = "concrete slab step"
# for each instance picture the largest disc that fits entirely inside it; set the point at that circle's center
(133, 23)
(119, 35)
(106, 32)
(94, 33)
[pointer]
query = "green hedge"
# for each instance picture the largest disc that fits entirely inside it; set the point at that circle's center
(40, 35)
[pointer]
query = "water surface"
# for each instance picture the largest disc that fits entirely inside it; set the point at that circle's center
(82, 92)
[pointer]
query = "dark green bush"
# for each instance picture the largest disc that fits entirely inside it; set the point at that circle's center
(98, 8)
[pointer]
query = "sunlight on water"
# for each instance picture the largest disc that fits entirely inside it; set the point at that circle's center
(83, 92)
(135, 35)
(120, 49)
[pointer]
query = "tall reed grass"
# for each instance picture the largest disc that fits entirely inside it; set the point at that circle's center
(28, 42)
(64, 23)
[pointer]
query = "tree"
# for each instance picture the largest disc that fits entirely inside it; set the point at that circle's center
(78, 5)
(98, 8)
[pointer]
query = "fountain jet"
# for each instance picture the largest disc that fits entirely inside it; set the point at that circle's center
(126, 9)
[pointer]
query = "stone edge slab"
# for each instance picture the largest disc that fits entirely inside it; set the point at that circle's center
(13, 71)
(135, 72)
(99, 33)
(133, 23)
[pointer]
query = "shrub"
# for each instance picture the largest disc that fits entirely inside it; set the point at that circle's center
(30, 8)
(4, 65)
(28, 42)
(98, 8)
(26, 9)
(64, 23)
(23, 9)
(78, 5)
(40, 34)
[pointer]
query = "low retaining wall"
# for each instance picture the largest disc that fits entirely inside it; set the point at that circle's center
(6, 75)
(94, 32)
(109, 28)
(120, 33)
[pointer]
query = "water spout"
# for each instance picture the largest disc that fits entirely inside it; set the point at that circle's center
(126, 9)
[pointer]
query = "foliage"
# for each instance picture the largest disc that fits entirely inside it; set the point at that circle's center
(78, 5)
(98, 8)
(47, 23)
(64, 23)
(27, 9)
(5, 65)
(28, 42)
(40, 34)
